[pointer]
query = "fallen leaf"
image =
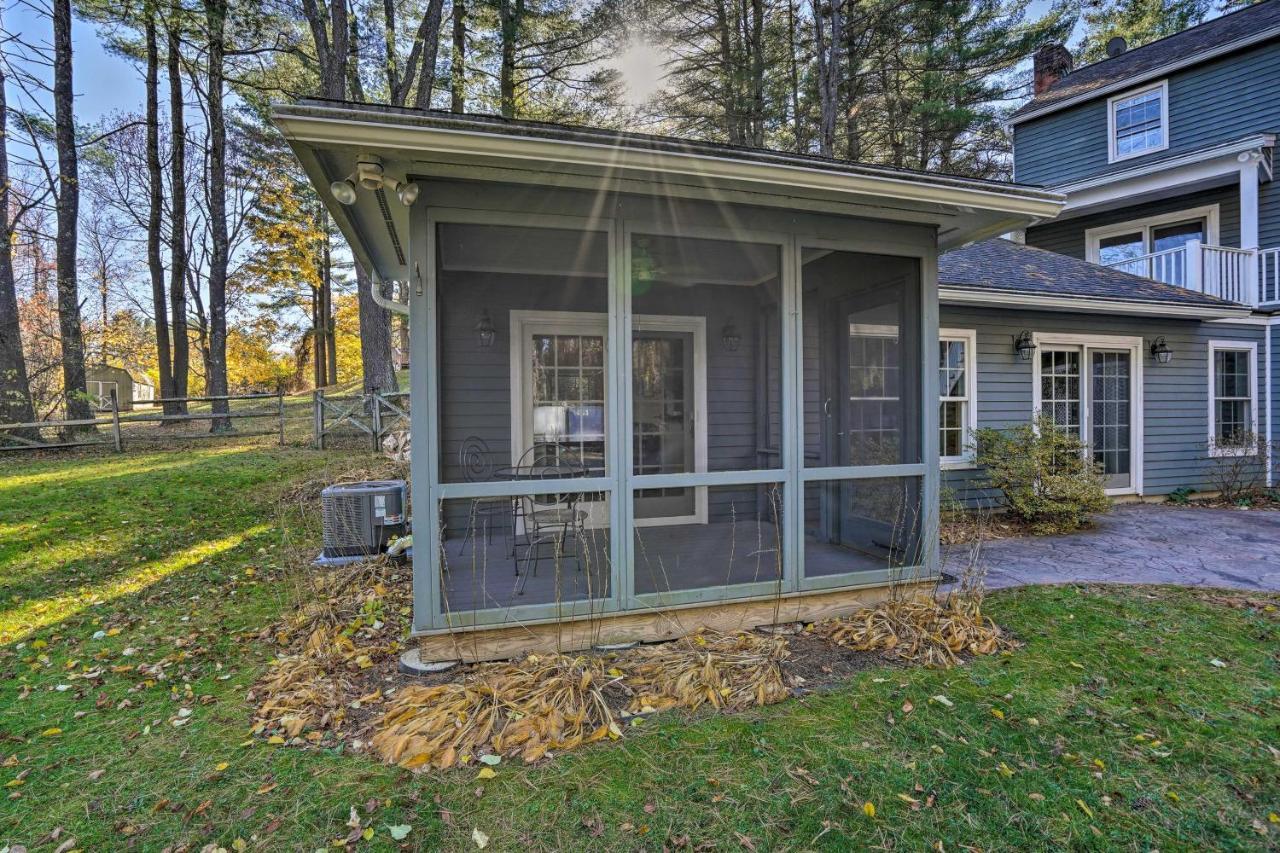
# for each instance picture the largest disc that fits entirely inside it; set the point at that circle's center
(1084, 808)
(486, 773)
(943, 700)
(869, 809)
(491, 759)
(481, 840)
(52, 732)
(399, 831)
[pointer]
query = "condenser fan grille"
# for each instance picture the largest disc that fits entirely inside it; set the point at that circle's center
(346, 522)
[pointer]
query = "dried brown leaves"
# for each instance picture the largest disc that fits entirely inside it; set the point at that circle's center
(539, 705)
(921, 630)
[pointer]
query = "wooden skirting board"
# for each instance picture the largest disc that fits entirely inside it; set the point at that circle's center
(649, 626)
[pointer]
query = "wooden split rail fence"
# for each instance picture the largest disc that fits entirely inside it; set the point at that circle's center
(375, 416)
(113, 429)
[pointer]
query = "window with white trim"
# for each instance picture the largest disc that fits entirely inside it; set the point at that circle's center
(957, 408)
(1138, 122)
(1233, 404)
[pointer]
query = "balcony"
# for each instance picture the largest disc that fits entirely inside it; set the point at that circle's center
(1247, 276)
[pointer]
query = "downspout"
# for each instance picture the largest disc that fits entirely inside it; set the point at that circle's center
(1270, 331)
(393, 305)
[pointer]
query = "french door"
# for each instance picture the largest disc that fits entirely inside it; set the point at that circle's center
(1089, 391)
(562, 374)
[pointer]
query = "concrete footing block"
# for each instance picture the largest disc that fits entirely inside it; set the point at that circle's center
(411, 663)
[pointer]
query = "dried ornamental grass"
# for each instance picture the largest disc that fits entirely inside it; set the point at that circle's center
(526, 708)
(920, 630)
(730, 671)
(540, 705)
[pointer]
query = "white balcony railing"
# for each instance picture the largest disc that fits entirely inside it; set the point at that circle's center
(1237, 275)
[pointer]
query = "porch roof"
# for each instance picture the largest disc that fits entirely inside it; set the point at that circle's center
(1002, 273)
(426, 144)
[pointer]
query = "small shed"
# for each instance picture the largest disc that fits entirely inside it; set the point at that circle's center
(656, 384)
(102, 379)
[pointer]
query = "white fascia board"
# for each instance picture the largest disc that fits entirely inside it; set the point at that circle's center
(1087, 305)
(784, 178)
(1206, 164)
(1149, 74)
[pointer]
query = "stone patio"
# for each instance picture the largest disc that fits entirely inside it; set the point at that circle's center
(1145, 543)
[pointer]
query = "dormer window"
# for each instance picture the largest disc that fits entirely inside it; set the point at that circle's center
(1138, 122)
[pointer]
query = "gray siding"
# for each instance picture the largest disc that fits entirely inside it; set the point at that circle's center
(1175, 396)
(1066, 237)
(1218, 101)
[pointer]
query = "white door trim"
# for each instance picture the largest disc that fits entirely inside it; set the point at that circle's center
(523, 322)
(1209, 213)
(1084, 343)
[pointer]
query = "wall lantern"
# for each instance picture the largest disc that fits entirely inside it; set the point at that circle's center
(1024, 345)
(1160, 351)
(730, 338)
(485, 331)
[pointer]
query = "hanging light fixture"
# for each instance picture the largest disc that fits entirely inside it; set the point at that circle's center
(730, 338)
(1024, 345)
(485, 331)
(1160, 351)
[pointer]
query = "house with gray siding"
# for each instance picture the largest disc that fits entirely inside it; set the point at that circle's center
(1147, 309)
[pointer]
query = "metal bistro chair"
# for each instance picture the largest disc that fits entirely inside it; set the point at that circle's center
(550, 520)
(476, 461)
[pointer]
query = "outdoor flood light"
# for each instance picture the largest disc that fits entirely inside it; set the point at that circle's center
(1024, 345)
(485, 331)
(407, 193)
(344, 191)
(1160, 351)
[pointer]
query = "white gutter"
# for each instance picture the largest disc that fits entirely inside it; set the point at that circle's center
(1097, 305)
(1158, 71)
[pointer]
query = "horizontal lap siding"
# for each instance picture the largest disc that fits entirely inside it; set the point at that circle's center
(1218, 101)
(1176, 406)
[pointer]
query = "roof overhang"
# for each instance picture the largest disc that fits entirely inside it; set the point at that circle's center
(327, 138)
(1214, 165)
(993, 298)
(1143, 76)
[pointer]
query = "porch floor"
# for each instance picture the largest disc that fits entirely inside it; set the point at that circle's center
(674, 557)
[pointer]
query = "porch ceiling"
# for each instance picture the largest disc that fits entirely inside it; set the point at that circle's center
(422, 145)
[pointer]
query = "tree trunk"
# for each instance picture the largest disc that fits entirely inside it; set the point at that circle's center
(331, 337)
(73, 380)
(155, 204)
(510, 13)
(375, 338)
(178, 221)
(15, 389)
(829, 68)
(429, 40)
(458, 61)
(215, 16)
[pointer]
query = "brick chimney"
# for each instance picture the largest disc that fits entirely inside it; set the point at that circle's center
(1051, 63)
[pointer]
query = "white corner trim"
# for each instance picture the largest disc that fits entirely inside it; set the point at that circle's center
(1113, 156)
(1159, 71)
(970, 339)
(1209, 213)
(1250, 347)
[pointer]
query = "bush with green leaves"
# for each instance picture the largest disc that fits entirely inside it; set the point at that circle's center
(1047, 478)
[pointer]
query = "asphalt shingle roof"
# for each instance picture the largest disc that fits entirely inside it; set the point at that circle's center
(1136, 61)
(1009, 267)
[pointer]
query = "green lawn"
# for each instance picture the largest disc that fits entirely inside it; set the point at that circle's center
(1111, 727)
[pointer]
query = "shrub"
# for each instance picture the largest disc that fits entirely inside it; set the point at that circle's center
(1045, 475)
(1238, 467)
(1181, 495)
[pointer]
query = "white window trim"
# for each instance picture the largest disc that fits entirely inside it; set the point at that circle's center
(588, 322)
(1136, 348)
(1250, 347)
(1093, 237)
(1163, 88)
(969, 337)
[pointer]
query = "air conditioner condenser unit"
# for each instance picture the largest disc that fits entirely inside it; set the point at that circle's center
(361, 519)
